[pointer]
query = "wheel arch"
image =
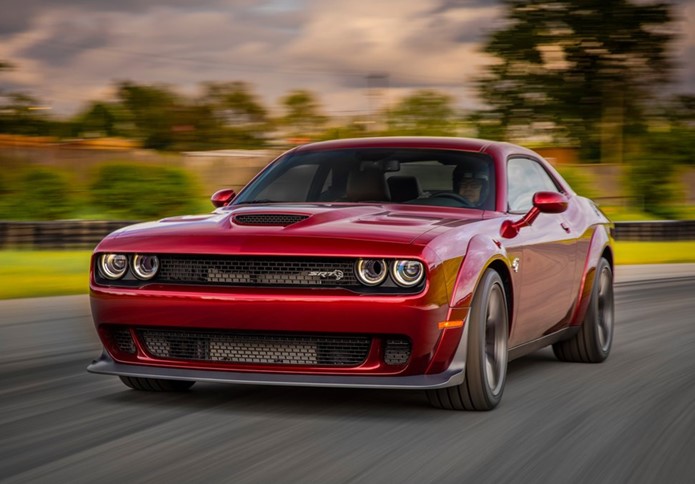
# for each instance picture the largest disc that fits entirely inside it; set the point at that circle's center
(503, 270)
(482, 253)
(601, 246)
(608, 255)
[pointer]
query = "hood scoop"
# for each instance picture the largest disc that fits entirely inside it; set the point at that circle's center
(268, 219)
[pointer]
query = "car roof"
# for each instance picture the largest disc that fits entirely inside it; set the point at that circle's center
(466, 144)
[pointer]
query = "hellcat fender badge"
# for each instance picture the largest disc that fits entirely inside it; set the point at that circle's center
(515, 264)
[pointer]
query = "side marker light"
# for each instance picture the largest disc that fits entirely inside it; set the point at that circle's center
(450, 324)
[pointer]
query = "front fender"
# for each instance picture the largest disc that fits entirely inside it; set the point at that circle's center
(451, 349)
(481, 253)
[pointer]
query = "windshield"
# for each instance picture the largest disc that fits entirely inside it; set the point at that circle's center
(408, 176)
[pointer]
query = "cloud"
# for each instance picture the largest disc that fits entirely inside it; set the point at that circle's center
(68, 51)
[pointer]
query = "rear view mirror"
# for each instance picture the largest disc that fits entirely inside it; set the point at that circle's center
(384, 166)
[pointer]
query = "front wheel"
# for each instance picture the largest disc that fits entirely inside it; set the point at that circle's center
(155, 384)
(486, 360)
(592, 343)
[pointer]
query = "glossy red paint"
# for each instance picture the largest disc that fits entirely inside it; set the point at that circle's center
(550, 202)
(222, 198)
(546, 259)
(543, 202)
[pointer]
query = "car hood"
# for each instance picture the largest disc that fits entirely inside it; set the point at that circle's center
(323, 228)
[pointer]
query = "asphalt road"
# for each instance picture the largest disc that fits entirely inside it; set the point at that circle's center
(630, 419)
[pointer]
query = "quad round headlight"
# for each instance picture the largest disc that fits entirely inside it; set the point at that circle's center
(371, 272)
(113, 266)
(407, 273)
(145, 266)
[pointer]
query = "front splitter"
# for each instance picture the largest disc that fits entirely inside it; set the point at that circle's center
(105, 365)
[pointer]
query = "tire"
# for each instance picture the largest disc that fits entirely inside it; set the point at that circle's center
(486, 359)
(593, 342)
(156, 385)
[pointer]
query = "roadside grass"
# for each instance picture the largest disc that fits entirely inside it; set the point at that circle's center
(654, 252)
(28, 273)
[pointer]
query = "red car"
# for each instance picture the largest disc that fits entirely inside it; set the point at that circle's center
(410, 263)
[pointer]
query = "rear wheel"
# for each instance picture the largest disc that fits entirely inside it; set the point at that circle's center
(486, 360)
(156, 385)
(592, 343)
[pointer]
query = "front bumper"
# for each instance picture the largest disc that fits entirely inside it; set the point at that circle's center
(454, 375)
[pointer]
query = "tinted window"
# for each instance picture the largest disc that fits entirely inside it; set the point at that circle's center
(524, 178)
(412, 176)
(293, 185)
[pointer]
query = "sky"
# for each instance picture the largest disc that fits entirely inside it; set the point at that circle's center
(68, 52)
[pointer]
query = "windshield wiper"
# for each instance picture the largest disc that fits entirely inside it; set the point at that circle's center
(260, 200)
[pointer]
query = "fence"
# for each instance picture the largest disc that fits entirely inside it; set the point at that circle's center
(62, 234)
(659, 230)
(86, 234)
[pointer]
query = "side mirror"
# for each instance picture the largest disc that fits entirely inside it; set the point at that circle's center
(222, 198)
(550, 202)
(543, 202)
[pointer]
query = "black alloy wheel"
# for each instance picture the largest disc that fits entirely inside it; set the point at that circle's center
(486, 360)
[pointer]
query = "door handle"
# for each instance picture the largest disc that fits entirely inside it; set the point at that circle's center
(565, 227)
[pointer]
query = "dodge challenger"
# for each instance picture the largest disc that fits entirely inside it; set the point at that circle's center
(406, 263)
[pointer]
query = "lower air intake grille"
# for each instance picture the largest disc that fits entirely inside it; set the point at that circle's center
(264, 349)
(123, 341)
(397, 351)
(269, 219)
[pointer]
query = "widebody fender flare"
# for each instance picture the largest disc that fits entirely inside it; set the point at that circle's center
(601, 242)
(482, 252)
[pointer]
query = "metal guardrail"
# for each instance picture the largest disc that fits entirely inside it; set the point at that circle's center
(657, 230)
(60, 234)
(86, 234)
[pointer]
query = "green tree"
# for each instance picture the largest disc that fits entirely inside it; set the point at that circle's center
(154, 110)
(103, 119)
(38, 193)
(136, 191)
(303, 113)
(236, 116)
(425, 113)
(581, 70)
(18, 115)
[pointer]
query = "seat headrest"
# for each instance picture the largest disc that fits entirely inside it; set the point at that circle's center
(367, 185)
(404, 188)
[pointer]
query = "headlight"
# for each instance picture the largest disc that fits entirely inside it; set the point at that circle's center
(407, 273)
(145, 266)
(113, 266)
(371, 272)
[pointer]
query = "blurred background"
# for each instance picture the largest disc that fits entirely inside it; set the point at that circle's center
(133, 110)
(117, 111)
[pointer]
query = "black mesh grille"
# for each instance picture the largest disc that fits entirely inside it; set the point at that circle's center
(269, 219)
(265, 349)
(397, 351)
(121, 337)
(257, 271)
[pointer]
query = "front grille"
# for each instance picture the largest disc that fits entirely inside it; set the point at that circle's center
(123, 341)
(397, 351)
(269, 271)
(264, 349)
(269, 219)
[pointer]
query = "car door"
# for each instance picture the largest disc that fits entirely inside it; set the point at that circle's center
(543, 253)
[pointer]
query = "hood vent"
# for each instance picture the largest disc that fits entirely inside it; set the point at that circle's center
(281, 219)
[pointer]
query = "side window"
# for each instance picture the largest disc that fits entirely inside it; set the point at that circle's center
(524, 178)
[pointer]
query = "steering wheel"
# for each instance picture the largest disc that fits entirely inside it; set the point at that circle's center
(453, 196)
